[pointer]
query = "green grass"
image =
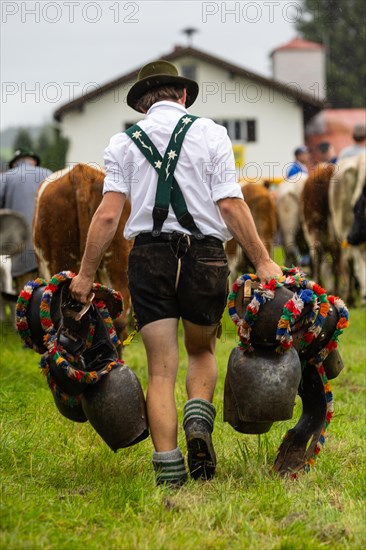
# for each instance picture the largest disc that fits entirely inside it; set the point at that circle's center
(63, 488)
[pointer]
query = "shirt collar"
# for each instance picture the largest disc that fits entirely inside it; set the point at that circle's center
(166, 104)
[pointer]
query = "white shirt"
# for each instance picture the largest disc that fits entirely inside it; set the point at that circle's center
(205, 172)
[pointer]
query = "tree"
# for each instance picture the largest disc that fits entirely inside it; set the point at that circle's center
(50, 146)
(340, 25)
(44, 140)
(54, 157)
(23, 140)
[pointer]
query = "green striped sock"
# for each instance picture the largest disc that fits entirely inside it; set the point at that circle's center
(199, 408)
(169, 466)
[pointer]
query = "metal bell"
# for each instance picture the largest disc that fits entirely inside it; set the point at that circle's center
(75, 413)
(333, 364)
(260, 388)
(116, 408)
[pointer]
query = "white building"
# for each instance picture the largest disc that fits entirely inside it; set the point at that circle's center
(301, 63)
(265, 118)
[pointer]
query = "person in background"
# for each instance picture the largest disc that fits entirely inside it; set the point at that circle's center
(19, 186)
(359, 145)
(302, 162)
(177, 267)
(326, 152)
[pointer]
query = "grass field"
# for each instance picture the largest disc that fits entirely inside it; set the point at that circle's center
(63, 488)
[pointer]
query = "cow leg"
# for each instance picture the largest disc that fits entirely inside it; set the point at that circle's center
(337, 267)
(309, 241)
(288, 222)
(290, 250)
(351, 288)
(316, 254)
(301, 243)
(359, 264)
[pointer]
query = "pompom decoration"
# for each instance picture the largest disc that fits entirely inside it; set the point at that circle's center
(60, 356)
(308, 292)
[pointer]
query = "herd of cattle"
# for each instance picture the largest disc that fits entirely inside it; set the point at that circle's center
(313, 215)
(307, 215)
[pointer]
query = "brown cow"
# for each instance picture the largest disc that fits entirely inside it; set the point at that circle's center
(262, 207)
(318, 227)
(65, 204)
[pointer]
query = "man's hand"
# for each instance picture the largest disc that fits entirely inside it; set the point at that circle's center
(268, 270)
(240, 223)
(80, 288)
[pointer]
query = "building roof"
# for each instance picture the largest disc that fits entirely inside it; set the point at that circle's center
(312, 105)
(298, 44)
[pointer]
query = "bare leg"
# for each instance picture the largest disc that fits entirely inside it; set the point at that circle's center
(161, 343)
(202, 370)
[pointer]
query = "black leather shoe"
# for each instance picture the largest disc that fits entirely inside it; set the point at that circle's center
(201, 453)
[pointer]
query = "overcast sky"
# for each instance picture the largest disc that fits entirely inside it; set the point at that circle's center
(53, 52)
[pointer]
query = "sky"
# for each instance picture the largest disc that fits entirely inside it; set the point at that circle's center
(53, 52)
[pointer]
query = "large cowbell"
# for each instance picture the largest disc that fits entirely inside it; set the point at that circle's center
(116, 409)
(115, 405)
(261, 386)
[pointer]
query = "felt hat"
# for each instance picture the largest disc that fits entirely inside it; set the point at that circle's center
(160, 73)
(21, 153)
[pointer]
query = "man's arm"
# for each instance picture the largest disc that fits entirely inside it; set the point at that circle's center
(101, 232)
(239, 220)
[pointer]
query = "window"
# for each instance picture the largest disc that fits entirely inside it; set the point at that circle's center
(240, 129)
(189, 71)
(251, 129)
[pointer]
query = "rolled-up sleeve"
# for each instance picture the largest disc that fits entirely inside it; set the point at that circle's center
(224, 178)
(113, 161)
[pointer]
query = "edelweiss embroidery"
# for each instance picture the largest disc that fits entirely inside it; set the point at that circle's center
(137, 136)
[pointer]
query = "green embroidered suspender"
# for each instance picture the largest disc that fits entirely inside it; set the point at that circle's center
(168, 190)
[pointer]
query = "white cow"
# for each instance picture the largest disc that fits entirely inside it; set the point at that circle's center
(345, 188)
(288, 215)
